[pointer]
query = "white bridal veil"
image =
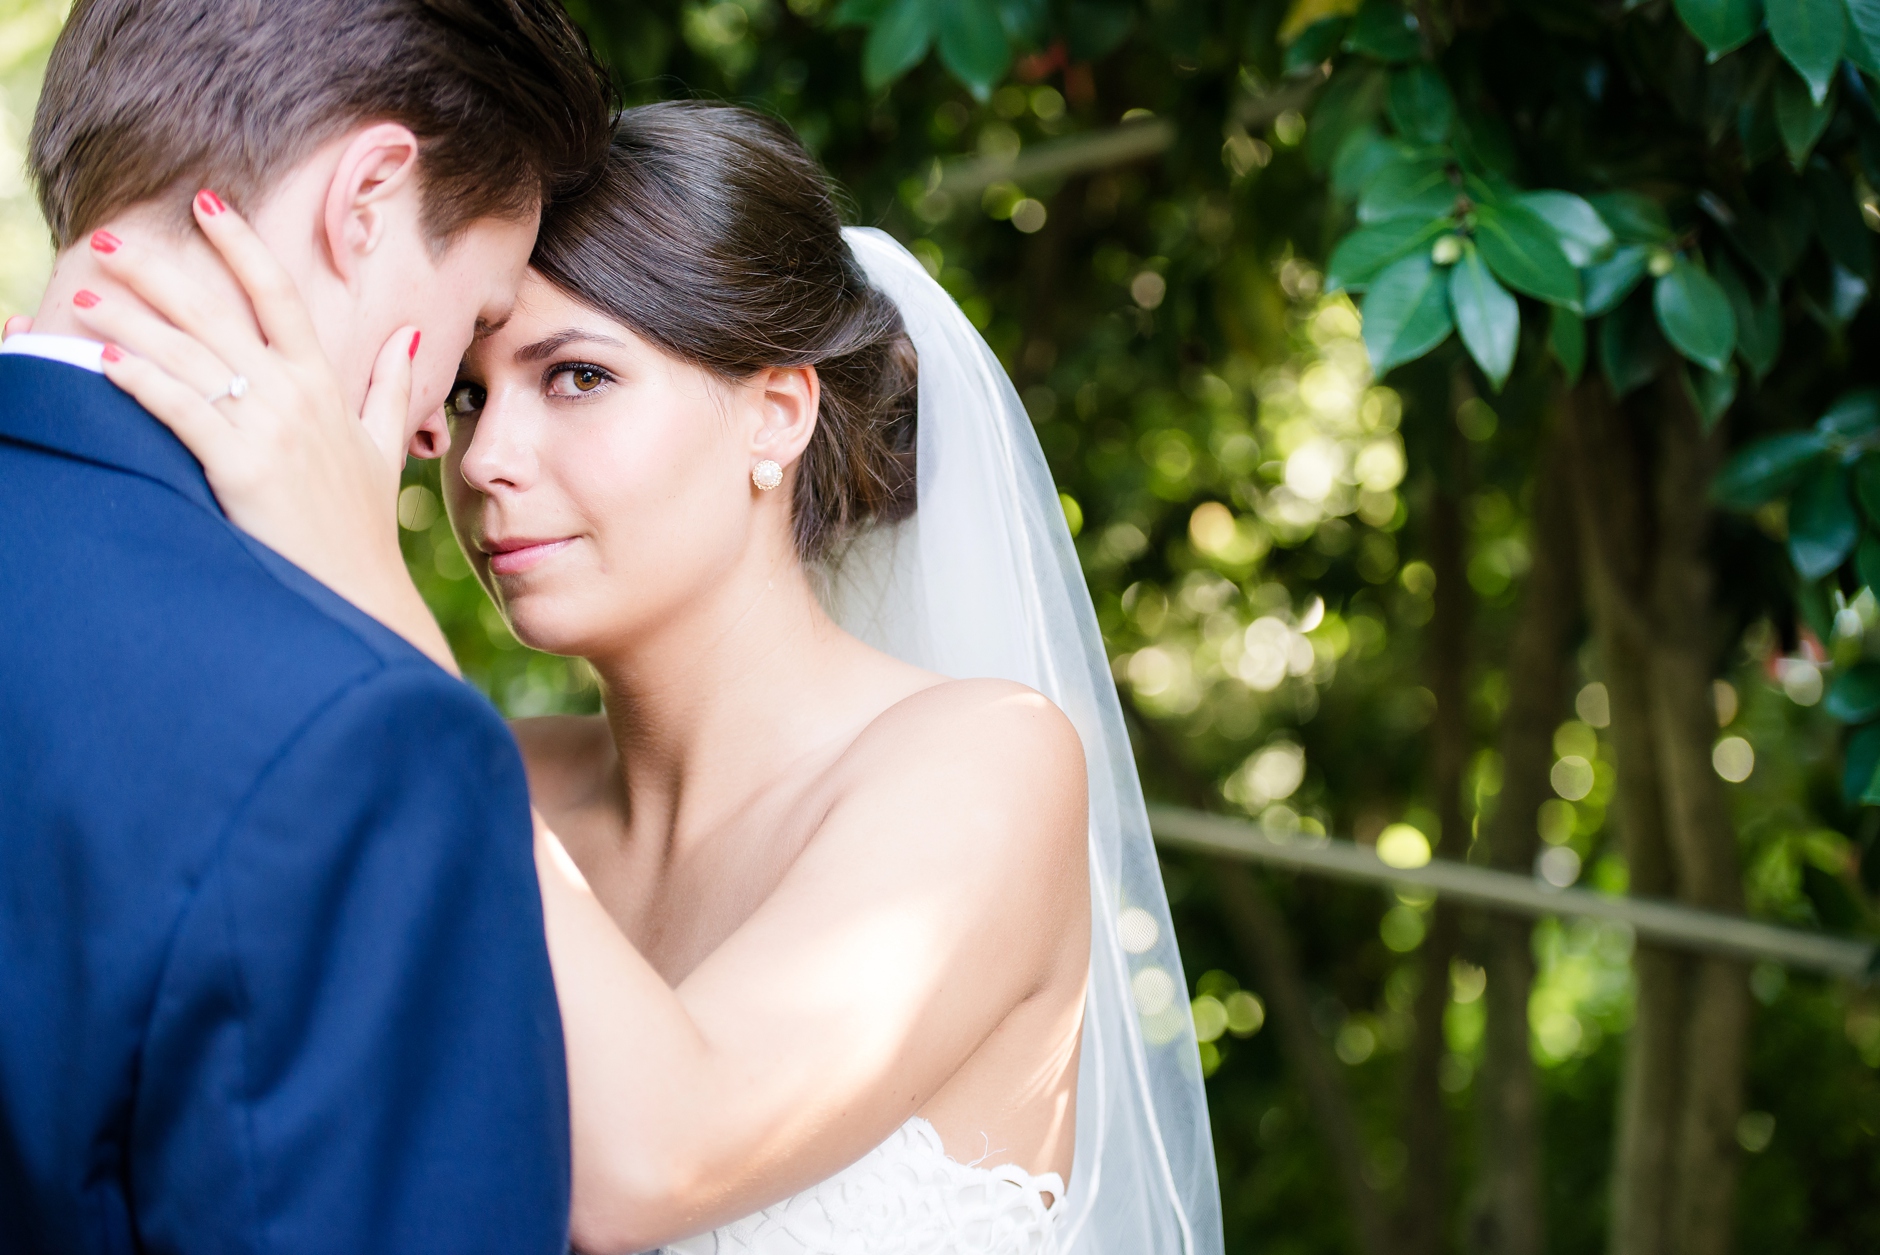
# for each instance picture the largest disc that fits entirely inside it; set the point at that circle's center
(983, 581)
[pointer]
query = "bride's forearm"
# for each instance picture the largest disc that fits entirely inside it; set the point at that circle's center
(638, 1069)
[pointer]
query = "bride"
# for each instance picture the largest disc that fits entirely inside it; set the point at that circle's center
(852, 956)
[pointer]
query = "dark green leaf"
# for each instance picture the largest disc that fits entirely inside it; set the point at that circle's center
(973, 46)
(1418, 188)
(1855, 697)
(1864, 29)
(1815, 604)
(1420, 105)
(1763, 471)
(1028, 22)
(1837, 218)
(1314, 44)
(1634, 217)
(1710, 392)
(858, 12)
(1630, 348)
(1611, 281)
(1582, 233)
(1861, 762)
(1364, 153)
(1867, 487)
(1861, 51)
(1800, 119)
(1094, 28)
(1811, 35)
(1867, 562)
(1484, 145)
(1853, 415)
(1567, 337)
(1385, 30)
(1487, 318)
(1822, 524)
(1522, 251)
(1349, 101)
(1363, 254)
(897, 42)
(1695, 315)
(1758, 320)
(1406, 313)
(1722, 25)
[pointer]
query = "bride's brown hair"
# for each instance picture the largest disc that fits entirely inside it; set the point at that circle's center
(714, 234)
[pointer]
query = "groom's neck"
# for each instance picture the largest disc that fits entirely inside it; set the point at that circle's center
(77, 269)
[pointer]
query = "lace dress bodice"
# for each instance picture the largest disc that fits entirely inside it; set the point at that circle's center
(905, 1197)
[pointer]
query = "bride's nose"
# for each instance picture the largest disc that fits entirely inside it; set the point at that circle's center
(501, 455)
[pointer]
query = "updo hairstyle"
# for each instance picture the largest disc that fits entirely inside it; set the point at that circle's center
(713, 234)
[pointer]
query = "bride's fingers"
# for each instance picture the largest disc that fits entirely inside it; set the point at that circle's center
(17, 325)
(226, 326)
(276, 298)
(150, 338)
(200, 426)
(388, 401)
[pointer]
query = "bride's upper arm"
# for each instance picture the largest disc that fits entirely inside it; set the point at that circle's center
(947, 884)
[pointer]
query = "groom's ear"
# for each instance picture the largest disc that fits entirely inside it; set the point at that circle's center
(788, 398)
(377, 171)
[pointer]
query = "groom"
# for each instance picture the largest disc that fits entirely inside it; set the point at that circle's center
(272, 973)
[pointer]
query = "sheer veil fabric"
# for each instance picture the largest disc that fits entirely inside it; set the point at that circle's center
(984, 581)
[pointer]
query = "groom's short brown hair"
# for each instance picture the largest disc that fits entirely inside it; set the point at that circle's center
(149, 100)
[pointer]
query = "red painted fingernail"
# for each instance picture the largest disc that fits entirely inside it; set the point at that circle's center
(209, 203)
(112, 353)
(415, 337)
(84, 299)
(105, 242)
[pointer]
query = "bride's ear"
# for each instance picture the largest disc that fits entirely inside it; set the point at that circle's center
(787, 399)
(432, 439)
(377, 167)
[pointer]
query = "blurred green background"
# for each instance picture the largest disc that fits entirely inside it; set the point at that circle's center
(1481, 609)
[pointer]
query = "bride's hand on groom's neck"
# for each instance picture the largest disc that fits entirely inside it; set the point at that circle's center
(249, 390)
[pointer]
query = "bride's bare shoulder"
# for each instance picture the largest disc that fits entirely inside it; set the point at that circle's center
(982, 741)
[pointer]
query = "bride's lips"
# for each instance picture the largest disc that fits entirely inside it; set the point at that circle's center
(516, 555)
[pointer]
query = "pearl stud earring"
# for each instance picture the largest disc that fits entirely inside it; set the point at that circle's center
(766, 475)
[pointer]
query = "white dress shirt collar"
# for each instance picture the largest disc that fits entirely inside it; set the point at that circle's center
(72, 350)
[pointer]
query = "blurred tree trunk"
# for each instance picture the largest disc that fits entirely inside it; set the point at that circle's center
(1261, 934)
(1425, 1207)
(1703, 841)
(1508, 1217)
(1643, 515)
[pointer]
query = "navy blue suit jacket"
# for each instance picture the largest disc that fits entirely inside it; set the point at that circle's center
(272, 969)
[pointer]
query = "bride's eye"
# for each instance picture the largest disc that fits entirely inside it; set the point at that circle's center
(576, 379)
(465, 401)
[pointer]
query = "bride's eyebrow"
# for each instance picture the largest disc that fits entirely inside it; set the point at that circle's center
(548, 346)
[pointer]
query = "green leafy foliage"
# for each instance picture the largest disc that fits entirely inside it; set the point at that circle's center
(1364, 253)
(1811, 35)
(1406, 313)
(973, 44)
(1722, 25)
(1855, 697)
(1525, 253)
(1420, 104)
(1581, 233)
(1610, 281)
(1314, 44)
(1822, 526)
(1758, 318)
(1799, 116)
(1566, 336)
(897, 41)
(1385, 30)
(1766, 470)
(1487, 317)
(1695, 315)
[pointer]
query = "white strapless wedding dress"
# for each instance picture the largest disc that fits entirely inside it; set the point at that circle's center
(905, 1197)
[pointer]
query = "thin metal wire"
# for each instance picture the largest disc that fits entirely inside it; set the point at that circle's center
(1650, 919)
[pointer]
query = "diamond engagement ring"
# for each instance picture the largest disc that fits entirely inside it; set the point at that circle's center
(237, 388)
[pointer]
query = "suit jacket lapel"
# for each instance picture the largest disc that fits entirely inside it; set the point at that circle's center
(71, 411)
